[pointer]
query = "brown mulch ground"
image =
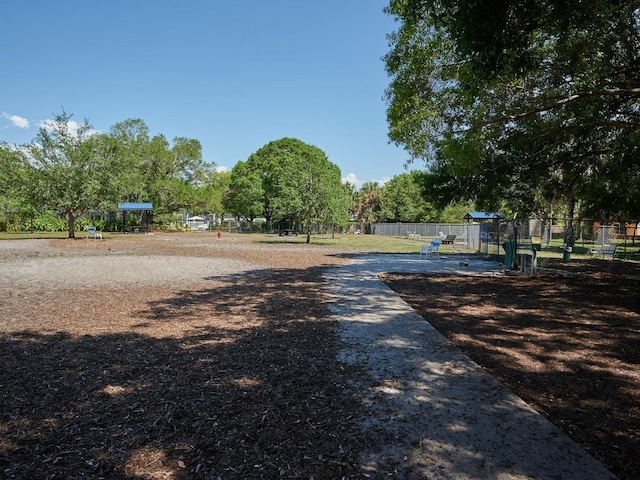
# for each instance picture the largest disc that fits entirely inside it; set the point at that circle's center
(569, 345)
(237, 376)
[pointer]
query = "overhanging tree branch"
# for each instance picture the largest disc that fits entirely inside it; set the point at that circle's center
(565, 100)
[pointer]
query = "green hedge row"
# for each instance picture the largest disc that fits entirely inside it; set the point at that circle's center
(49, 222)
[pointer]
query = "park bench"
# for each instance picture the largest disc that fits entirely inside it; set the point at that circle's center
(287, 232)
(449, 239)
(93, 233)
(604, 250)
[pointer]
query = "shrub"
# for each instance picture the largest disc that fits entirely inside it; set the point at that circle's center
(46, 221)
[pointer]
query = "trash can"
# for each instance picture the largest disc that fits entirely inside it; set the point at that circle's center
(566, 253)
(509, 254)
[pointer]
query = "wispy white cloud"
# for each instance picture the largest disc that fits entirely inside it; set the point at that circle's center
(72, 125)
(221, 169)
(16, 120)
(383, 181)
(353, 180)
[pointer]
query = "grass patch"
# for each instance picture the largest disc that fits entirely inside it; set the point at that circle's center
(373, 243)
(367, 243)
(34, 235)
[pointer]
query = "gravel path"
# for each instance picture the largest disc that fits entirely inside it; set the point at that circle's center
(40, 264)
(116, 271)
(443, 416)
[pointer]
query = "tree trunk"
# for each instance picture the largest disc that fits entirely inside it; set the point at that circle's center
(72, 225)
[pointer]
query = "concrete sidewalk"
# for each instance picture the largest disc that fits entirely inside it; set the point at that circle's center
(440, 414)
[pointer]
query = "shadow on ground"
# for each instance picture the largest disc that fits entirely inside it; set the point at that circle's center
(568, 345)
(246, 386)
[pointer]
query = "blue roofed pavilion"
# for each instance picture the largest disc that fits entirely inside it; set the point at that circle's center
(145, 207)
(135, 206)
(479, 216)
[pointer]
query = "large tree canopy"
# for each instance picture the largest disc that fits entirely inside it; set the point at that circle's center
(402, 200)
(171, 176)
(525, 102)
(294, 181)
(70, 168)
(245, 195)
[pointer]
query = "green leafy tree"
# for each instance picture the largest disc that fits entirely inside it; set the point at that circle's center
(245, 196)
(614, 192)
(171, 176)
(174, 173)
(354, 202)
(455, 212)
(297, 182)
(338, 212)
(8, 165)
(189, 165)
(11, 170)
(210, 197)
(14, 196)
(274, 163)
(367, 208)
(524, 103)
(128, 142)
(320, 196)
(69, 170)
(402, 200)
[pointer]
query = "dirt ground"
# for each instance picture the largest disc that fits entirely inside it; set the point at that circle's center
(216, 375)
(181, 356)
(568, 344)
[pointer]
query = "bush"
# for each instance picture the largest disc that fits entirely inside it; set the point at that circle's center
(100, 225)
(46, 221)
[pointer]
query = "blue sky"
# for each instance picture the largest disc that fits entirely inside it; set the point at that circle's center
(233, 74)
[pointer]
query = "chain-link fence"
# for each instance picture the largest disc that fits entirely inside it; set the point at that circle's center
(531, 243)
(527, 243)
(424, 231)
(475, 236)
